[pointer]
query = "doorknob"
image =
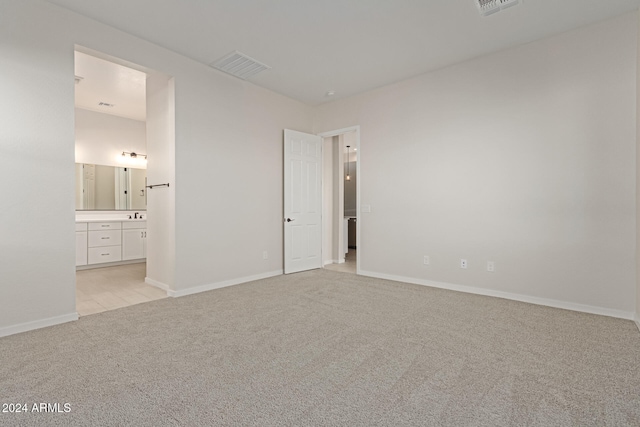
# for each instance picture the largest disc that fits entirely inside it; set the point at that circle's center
(289, 219)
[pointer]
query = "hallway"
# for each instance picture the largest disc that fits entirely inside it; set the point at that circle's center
(349, 265)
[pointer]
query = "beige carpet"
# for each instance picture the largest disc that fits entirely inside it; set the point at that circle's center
(324, 348)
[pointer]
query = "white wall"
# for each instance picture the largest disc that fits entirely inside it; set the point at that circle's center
(229, 178)
(525, 157)
(637, 315)
(329, 255)
(37, 251)
(338, 198)
(161, 201)
(223, 219)
(101, 138)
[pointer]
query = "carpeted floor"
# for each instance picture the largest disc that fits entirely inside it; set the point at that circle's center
(324, 348)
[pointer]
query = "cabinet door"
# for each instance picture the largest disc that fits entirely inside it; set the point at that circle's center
(81, 248)
(133, 244)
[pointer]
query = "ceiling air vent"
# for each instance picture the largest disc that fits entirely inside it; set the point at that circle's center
(489, 7)
(239, 65)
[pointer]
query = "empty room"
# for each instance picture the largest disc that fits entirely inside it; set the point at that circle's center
(385, 212)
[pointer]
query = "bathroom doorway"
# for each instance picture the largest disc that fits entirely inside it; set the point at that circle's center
(111, 151)
(341, 229)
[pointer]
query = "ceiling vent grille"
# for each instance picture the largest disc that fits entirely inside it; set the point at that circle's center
(240, 65)
(489, 7)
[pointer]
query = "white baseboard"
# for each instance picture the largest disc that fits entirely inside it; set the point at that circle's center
(37, 324)
(224, 284)
(507, 295)
(157, 284)
(110, 264)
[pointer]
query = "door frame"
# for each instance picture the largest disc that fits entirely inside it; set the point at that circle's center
(167, 227)
(338, 132)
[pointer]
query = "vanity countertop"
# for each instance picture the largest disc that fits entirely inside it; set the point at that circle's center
(110, 219)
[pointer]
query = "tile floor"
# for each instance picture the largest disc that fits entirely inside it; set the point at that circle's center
(349, 265)
(108, 288)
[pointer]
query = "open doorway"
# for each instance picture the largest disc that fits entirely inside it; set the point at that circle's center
(111, 186)
(341, 235)
(350, 203)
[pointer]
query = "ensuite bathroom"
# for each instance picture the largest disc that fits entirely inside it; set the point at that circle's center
(110, 186)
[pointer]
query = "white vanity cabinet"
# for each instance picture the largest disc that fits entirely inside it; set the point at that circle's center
(134, 240)
(81, 243)
(104, 242)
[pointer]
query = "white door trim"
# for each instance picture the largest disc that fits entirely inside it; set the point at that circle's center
(337, 132)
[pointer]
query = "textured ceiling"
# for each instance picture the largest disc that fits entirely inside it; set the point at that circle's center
(349, 46)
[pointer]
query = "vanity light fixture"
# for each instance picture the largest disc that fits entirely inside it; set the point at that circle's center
(348, 178)
(133, 155)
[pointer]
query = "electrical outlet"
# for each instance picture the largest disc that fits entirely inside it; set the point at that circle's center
(265, 255)
(491, 266)
(463, 263)
(426, 260)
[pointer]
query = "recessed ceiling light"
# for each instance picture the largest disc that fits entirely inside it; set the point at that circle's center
(330, 93)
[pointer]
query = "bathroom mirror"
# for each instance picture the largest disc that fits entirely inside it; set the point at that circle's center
(101, 187)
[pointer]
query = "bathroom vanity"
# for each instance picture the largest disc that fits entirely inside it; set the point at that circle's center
(103, 240)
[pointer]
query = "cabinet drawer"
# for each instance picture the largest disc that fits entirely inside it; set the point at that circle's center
(105, 238)
(81, 226)
(134, 224)
(105, 226)
(105, 254)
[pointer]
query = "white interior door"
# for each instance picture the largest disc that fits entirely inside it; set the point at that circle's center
(302, 201)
